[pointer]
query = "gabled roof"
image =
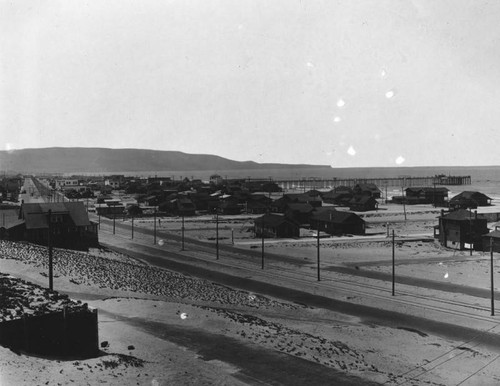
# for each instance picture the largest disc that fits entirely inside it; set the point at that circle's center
(78, 213)
(368, 187)
(494, 234)
(470, 195)
(341, 189)
(462, 215)
(427, 189)
(272, 220)
(36, 215)
(336, 216)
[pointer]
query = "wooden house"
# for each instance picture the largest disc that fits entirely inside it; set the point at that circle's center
(256, 207)
(491, 239)
(370, 190)
(279, 205)
(363, 203)
(299, 212)
(426, 195)
(229, 206)
(336, 222)
(340, 196)
(469, 200)
(273, 225)
(69, 223)
(460, 229)
(304, 198)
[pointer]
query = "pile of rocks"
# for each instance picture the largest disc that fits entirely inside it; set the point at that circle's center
(19, 297)
(82, 268)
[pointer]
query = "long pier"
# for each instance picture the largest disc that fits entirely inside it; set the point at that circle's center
(402, 181)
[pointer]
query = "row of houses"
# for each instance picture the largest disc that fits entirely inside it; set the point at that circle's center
(438, 196)
(326, 220)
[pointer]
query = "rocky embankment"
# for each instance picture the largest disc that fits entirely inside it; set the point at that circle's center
(19, 297)
(87, 269)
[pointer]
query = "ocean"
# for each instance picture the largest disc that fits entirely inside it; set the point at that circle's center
(485, 179)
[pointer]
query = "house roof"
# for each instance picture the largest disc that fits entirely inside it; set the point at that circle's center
(468, 194)
(342, 189)
(36, 215)
(462, 215)
(368, 187)
(272, 220)
(336, 216)
(494, 234)
(78, 213)
(427, 189)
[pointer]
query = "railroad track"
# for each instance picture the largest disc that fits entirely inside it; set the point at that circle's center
(243, 262)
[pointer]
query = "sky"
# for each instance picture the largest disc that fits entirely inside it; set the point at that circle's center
(349, 83)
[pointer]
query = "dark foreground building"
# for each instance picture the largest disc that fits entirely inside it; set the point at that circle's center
(461, 229)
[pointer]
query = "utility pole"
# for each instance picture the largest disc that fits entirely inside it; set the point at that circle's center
(404, 201)
(114, 218)
(317, 242)
(262, 235)
(154, 226)
(217, 233)
(470, 231)
(492, 286)
(393, 265)
(49, 244)
(182, 229)
(434, 193)
(132, 227)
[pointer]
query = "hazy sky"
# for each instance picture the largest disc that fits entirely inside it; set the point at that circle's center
(344, 83)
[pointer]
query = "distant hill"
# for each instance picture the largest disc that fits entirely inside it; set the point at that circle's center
(102, 160)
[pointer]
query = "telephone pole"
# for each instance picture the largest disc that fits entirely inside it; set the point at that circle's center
(49, 244)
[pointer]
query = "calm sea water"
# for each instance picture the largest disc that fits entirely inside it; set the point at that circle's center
(485, 179)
